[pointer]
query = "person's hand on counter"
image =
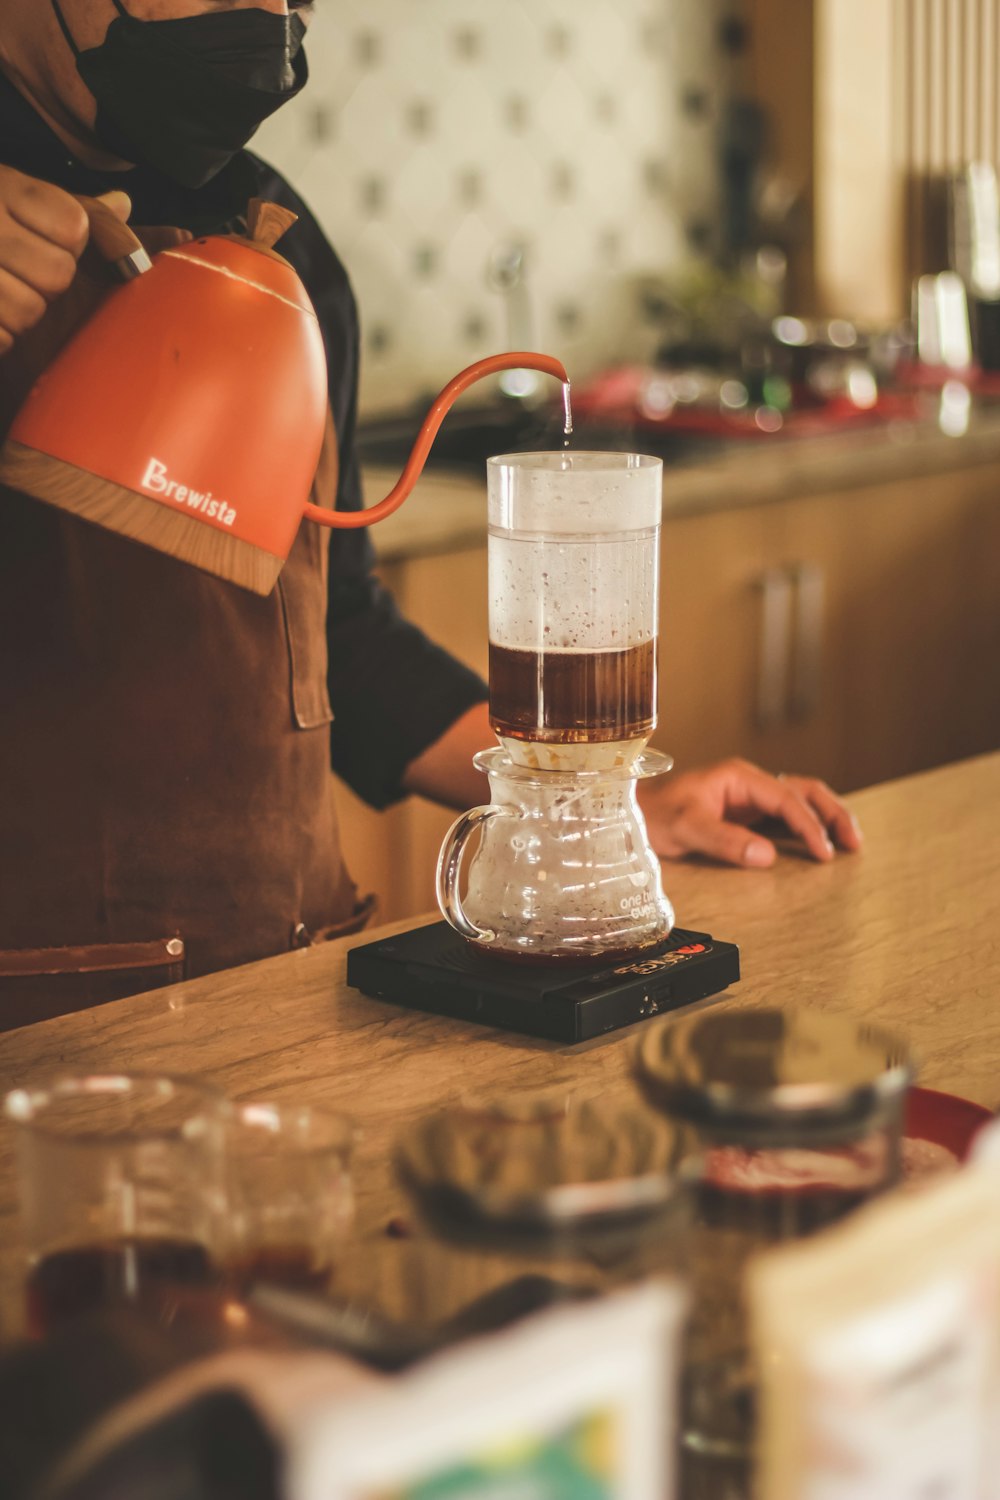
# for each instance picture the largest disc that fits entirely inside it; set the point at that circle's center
(710, 811)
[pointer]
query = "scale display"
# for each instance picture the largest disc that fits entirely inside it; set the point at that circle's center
(433, 969)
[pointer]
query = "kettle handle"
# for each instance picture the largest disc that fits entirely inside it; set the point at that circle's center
(519, 359)
(114, 239)
(449, 867)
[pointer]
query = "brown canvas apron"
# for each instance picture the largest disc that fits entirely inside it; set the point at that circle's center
(166, 800)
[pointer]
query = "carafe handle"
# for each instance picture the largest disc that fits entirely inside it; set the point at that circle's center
(449, 869)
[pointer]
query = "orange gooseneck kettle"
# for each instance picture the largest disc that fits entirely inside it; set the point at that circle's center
(189, 412)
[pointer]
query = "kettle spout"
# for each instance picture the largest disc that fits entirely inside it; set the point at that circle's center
(515, 360)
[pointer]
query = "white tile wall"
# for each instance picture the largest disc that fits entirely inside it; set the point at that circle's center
(434, 132)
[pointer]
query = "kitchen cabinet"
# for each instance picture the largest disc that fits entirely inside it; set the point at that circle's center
(852, 635)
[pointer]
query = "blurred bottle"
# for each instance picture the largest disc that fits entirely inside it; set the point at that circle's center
(974, 253)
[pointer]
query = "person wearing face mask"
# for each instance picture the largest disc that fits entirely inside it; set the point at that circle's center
(165, 791)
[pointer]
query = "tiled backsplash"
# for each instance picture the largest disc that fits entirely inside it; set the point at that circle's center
(438, 139)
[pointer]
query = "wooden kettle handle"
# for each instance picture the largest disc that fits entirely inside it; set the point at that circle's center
(115, 240)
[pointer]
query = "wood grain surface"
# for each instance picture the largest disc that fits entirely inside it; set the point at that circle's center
(905, 932)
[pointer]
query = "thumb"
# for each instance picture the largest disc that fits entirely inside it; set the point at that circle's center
(119, 203)
(701, 833)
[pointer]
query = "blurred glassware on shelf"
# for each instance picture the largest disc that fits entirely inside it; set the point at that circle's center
(941, 315)
(974, 228)
(974, 253)
(954, 408)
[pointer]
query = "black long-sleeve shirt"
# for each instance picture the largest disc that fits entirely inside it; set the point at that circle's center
(392, 690)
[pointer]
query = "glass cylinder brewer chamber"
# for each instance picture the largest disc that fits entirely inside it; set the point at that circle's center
(798, 1118)
(573, 599)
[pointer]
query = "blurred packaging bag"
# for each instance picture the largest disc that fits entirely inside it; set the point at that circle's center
(986, 1146)
(579, 1401)
(118, 1407)
(879, 1347)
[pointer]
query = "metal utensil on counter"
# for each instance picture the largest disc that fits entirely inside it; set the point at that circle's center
(368, 1336)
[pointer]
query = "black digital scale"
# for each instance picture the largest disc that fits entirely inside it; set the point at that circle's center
(432, 968)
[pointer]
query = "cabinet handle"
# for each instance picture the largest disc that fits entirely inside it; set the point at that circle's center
(775, 587)
(807, 657)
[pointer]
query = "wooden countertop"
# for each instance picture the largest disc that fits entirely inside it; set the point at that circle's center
(447, 511)
(904, 932)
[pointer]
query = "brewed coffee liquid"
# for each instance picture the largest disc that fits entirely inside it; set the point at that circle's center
(569, 958)
(571, 697)
(70, 1282)
(280, 1265)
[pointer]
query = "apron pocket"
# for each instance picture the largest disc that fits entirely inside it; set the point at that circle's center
(39, 983)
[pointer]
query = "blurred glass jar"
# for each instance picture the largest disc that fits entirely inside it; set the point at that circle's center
(122, 1189)
(532, 1200)
(799, 1119)
(290, 1192)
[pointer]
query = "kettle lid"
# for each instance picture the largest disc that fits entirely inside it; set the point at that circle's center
(251, 258)
(773, 1068)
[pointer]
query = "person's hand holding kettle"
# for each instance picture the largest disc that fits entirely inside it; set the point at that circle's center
(43, 232)
(50, 282)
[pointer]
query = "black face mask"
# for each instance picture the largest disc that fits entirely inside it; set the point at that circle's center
(185, 96)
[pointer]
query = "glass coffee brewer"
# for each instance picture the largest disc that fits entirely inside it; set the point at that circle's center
(563, 930)
(564, 870)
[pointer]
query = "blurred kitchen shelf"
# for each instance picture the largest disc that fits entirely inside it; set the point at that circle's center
(469, 436)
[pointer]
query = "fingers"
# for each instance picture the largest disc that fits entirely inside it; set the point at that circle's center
(45, 211)
(119, 203)
(840, 822)
(20, 305)
(780, 798)
(697, 831)
(706, 812)
(37, 263)
(42, 233)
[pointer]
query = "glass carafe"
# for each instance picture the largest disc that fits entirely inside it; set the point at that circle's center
(573, 596)
(564, 870)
